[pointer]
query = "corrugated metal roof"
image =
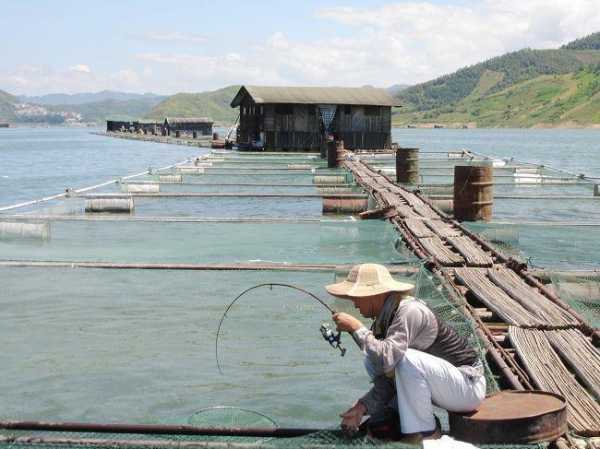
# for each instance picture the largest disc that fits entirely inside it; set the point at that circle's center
(173, 120)
(365, 96)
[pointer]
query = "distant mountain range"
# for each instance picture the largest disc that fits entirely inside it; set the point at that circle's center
(89, 97)
(521, 89)
(526, 88)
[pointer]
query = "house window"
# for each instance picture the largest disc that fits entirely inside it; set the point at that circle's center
(372, 110)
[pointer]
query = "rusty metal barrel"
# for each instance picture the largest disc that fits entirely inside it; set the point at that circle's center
(512, 417)
(407, 165)
(344, 204)
(473, 192)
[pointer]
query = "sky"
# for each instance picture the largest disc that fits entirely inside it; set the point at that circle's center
(51, 46)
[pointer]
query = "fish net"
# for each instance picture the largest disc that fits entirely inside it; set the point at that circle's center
(321, 439)
(582, 292)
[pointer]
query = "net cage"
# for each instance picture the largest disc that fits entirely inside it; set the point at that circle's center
(109, 337)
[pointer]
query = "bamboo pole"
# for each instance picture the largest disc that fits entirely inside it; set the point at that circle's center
(155, 429)
(222, 195)
(271, 266)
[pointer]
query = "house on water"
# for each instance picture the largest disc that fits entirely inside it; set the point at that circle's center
(301, 118)
(199, 126)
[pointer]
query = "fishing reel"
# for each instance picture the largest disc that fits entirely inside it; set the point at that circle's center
(333, 338)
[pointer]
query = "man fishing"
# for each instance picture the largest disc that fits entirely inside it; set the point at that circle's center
(414, 359)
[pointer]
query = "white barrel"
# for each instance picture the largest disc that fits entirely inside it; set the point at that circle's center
(191, 170)
(110, 205)
(299, 167)
(16, 230)
(174, 179)
(140, 188)
(329, 179)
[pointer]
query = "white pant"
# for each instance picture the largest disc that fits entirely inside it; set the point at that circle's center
(423, 380)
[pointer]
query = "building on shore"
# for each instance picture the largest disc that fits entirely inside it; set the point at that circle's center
(301, 118)
(4, 125)
(198, 126)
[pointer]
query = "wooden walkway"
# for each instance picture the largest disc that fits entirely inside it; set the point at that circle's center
(533, 338)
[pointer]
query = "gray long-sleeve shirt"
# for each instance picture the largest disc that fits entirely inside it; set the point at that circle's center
(413, 325)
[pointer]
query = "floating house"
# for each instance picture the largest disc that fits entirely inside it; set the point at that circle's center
(301, 118)
(116, 126)
(199, 126)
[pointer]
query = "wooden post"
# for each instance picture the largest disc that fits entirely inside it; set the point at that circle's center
(332, 154)
(407, 165)
(596, 189)
(473, 192)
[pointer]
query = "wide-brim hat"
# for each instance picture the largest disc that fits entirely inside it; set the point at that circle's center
(368, 279)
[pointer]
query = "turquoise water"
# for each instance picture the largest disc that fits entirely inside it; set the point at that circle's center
(109, 345)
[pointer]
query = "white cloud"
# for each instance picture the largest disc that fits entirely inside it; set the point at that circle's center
(82, 68)
(402, 42)
(37, 79)
(175, 36)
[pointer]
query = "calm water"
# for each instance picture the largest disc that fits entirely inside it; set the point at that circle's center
(139, 346)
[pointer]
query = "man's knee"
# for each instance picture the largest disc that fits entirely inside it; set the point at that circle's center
(410, 363)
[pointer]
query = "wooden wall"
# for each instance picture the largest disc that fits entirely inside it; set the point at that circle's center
(298, 126)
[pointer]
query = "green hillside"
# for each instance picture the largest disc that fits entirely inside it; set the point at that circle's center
(114, 109)
(488, 94)
(213, 104)
(7, 110)
(571, 99)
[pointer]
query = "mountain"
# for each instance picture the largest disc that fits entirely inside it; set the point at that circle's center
(591, 42)
(83, 98)
(397, 88)
(116, 109)
(7, 109)
(213, 104)
(491, 93)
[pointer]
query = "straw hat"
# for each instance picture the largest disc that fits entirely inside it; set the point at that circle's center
(366, 280)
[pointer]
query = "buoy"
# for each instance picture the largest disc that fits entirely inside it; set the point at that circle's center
(140, 188)
(16, 230)
(343, 205)
(109, 205)
(329, 179)
(174, 179)
(191, 170)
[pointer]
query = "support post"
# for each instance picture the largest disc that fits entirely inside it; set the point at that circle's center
(331, 154)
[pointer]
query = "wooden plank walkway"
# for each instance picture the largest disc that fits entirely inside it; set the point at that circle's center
(549, 373)
(475, 273)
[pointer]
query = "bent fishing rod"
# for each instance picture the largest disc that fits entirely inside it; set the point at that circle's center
(328, 334)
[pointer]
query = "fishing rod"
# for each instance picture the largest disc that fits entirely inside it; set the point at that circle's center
(328, 334)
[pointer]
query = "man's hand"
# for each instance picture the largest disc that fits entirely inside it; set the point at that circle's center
(352, 417)
(346, 322)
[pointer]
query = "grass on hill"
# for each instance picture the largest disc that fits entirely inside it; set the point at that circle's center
(213, 104)
(571, 99)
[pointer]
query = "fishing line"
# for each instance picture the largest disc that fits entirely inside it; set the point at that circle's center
(270, 285)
